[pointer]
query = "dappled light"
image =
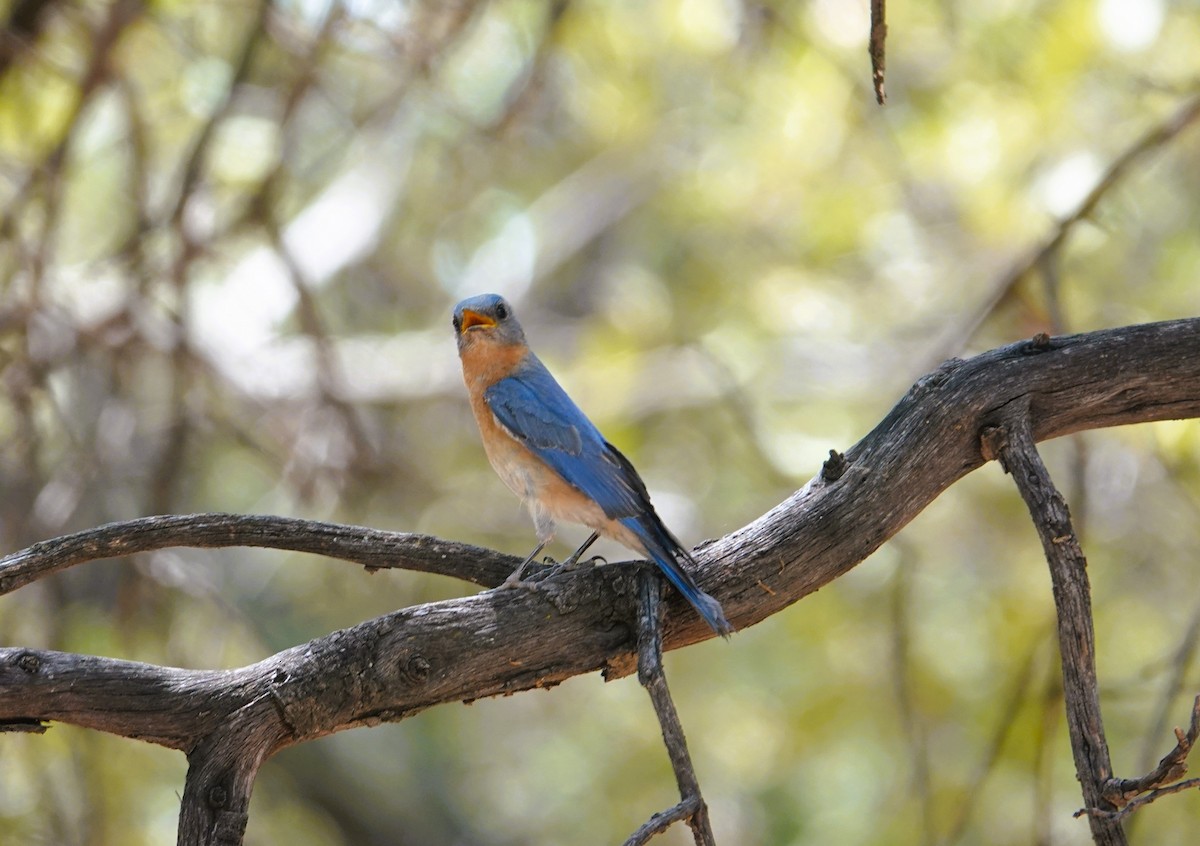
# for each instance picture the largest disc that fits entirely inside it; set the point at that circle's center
(231, 239)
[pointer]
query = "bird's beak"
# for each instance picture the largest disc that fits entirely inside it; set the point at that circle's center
(474, 318)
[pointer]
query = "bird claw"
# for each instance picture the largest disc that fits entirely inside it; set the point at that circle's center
(548, 568)
(575, 564)
(587, 562)
(519, 579)
(511, 582)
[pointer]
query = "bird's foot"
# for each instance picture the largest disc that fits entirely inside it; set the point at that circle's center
(570, 565)
(547, 567)
(515, 581)
(576, 564)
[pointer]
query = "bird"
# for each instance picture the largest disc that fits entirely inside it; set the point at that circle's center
(547, 452)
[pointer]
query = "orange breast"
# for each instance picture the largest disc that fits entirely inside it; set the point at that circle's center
(526, 475)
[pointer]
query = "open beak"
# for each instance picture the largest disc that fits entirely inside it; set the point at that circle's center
(471, 319)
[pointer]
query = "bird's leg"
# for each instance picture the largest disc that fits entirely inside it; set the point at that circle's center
(514, 580)
(570, 563)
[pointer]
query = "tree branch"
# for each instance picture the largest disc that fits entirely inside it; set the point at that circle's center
(691, 806)
(1045, 256)
(1173, 765)
(500, 642)
(373, 548)
(877, 50)
(1012, 443)
(1126, 795)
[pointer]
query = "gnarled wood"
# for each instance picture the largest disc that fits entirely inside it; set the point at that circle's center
(501, 642)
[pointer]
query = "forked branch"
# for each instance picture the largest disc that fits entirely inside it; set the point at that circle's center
(1012, 443)
(1128, 795)
(500, 642)
(691, 805)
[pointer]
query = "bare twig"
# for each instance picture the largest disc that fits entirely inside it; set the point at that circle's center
(876, 48)
(920, 790)
(1129, 794)
(1151, 141)
(1141, 801)
(1041, 255)
(330, 379)
(691, 804)
(527, 84)
(1012, 442)
(373, 548)
(1006, 723)
(193, 162)
(1181, 662)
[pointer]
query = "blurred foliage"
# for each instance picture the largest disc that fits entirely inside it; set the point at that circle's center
(230, 237)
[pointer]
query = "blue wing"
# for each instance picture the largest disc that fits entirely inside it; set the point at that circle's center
(537, 411)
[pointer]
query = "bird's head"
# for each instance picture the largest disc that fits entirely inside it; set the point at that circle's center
(486, 319)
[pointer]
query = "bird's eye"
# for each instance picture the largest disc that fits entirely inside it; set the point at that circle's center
(457, 321)
(501, 311)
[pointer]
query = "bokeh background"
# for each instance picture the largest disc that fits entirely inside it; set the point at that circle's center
(230, 237)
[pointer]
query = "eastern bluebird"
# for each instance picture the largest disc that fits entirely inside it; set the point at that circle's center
(550, 455)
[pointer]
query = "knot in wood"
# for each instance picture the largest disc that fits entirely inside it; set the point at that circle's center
(993, 440)
(1039, 343)
(414, 669)
(218, 796)
(29, 663)
(835, 467)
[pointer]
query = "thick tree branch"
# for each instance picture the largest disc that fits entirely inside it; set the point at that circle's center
(500, 642)
(221, 772)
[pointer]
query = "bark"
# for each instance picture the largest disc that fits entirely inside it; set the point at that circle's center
(500, 642)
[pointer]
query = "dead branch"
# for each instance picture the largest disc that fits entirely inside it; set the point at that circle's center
(373, 548)
(691, 805)
(1012, 443)
(500, 642)
(1128, 795)
(877, 49)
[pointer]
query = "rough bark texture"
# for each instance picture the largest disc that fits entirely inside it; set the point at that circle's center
(1014, 446)
(500, 642)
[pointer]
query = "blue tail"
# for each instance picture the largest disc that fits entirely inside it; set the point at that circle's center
(668, 555)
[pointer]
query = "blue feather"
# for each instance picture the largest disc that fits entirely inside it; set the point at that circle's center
(667, 553)
(537, 411)
(532, 406)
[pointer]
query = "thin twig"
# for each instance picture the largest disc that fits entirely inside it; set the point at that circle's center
(1006, 723)
(1182, 661)
(1140, 802)
(661, 821)
(1123, 165)
(1126, 793)
(525, 87)
(1013, 443)
(877, 48)
(373, 548)
(915, 729)
(691, 806)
